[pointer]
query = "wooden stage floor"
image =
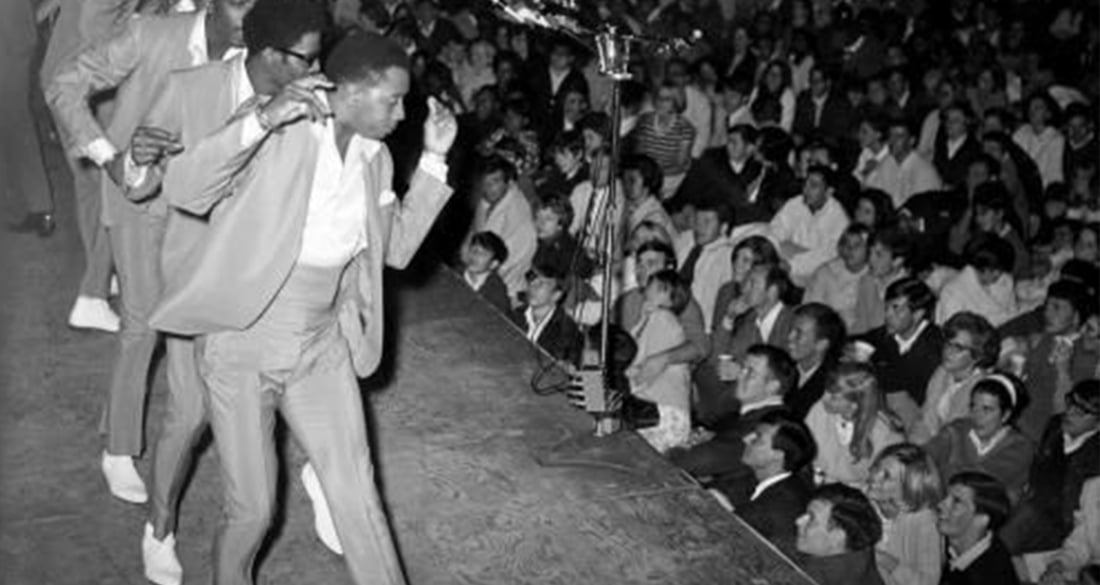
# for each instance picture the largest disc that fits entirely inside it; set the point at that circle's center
(477, 470)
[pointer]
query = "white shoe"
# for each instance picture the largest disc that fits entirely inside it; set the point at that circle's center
(322, 517)
(113, 286)
(159, 559)
(123, 479)
(93, 313)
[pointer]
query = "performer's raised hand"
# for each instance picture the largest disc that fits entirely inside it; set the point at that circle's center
(440, 128)
(298, 99)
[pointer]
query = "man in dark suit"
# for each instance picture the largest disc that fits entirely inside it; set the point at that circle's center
(432, 32)
(907, 348)
(726, 175)
(823, 111)
(816, 335)
(970, 515)
(544, 321)
(777, 450)
(549, 82)
(765, 376)
(955, 146)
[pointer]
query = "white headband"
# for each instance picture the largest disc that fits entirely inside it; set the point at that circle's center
(1007, 384)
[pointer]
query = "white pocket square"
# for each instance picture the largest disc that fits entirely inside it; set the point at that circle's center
(387, 197)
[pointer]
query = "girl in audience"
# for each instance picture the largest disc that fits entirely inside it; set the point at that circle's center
(985, 286)
(874, 209)
(986, 440)
(971, 346)
(1041, 139)
(850, 425)
(776, 83)
(666, 294)
(749, 253)
(666, 136)
(905, 486)
(836, 283)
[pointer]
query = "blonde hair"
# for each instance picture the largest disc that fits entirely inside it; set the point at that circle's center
(857, 383)
(921, 484)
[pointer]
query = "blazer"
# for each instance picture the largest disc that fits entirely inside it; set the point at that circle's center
(81, 24)
(745, 333)
(137, 62)
(773, 512)
(837, 121)
(560, 338)
(800, 400)
(711, 178)
(254, 199)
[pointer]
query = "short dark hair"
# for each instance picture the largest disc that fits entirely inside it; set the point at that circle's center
(885, 212)
(990, 252)
(775, 275)
(994, 197)
(792, 438)
(724, 210)
(491, 242)
(747, 132)
(659, 247)
(762, 249)
(547, 271)
(828, 175)
(1010, 393)
(364, 57)
(896, 240)
(496, 164)
(986, 339)
(571, 142)
(853, 513)
(916, 293)
(561, 207)
(1073, 292)
(280, 24)
(990, 498)
(828, 325)
(780, 364)
(677, 288)
(649, 169)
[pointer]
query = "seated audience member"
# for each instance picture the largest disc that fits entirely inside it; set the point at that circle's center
(645, 232)
(665, 134)
(905, 172)
(907, 348)
(970, 515)
(888, 261)
(543, 320)
(1057, 358)
(836, 282)
(650, 258)
(874, 150)
(992, 210)
(707, 267)
(905, 488)
(749, 253)
(815, 341)
(569, 168)
(970, 348)
(642, 189)
(837, 535)
(985, 286)
(1067, 456)
(725, 174)
(874, 209)
(777, 450)
(986, 440)
(957, 147)
(658, 331)
(850, 425)
(807, 227)
(588, 201)
(1080, 552)
(503, 210)
(555, 246)
(766, 374)
(482, 256)
(760, 316)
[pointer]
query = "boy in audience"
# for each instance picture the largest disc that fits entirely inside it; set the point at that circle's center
(970, 515)
(836, 282)
(837, 535)
(543, 320)
(907, 348)
(759, 316)
(777, 450)
(556, 247)
(642, 181)
(707, 267)
(482, 256)
(889, 261)
(569, 168)
(766, 374)
(992, 209)
(985, 286)
(814, 342)
(808, 227)
(503, 210)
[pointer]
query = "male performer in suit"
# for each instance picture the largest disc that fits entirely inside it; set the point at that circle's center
(283, 284)
(283, 40)
(78, 26)
(137, 63)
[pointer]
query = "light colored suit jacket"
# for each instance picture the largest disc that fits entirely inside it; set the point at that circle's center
(80, 25)
(137, 62)
(252, 200)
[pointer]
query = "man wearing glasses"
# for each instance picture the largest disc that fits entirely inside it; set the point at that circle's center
(136, 63)
(283, 41)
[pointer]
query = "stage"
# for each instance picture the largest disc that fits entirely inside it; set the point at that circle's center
(484, 479)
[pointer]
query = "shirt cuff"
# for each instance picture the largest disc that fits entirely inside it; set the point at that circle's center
(252, 131)
(133, 173)
(100, 151)
(435, 165)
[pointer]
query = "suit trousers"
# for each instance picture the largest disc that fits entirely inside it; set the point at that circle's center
(293, 360)
(135, 243)
(184, 423)
(87, 192)
(22, 171)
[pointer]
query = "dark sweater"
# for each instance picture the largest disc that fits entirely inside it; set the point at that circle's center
(854, 568)
(909, 372)
(994, 566)
(774, 512)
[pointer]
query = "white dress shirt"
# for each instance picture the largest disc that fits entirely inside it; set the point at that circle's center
(767, 483)
(816, 231)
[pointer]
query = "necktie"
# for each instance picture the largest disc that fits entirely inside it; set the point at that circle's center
(687, 270)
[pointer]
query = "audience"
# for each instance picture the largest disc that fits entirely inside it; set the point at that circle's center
(905, 488)
(815, 342)
(837, 535)
(970, 515)
(807, 227)
(1079, 557)
(503, 210)
(836, 283)
(482, 258)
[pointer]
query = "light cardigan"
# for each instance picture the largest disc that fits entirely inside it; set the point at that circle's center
(834, 459)
(1009, 461)
(1082, 546)
(1046, 149)
(913, 539)
(835, 286)
(997, 303)
(958, 406)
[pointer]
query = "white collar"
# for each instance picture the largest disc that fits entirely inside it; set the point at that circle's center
(767, 483)
(984, 449)
(959, 562)
(244, 90)
(804, 376)
(953, 146)
(852, 48)
(769, 401)
(766, 323)
(534, 329)
(904, 345)
(738, 166)
(475, 280)
(1070, 446)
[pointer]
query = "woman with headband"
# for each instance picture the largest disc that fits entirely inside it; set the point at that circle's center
(987, 440)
